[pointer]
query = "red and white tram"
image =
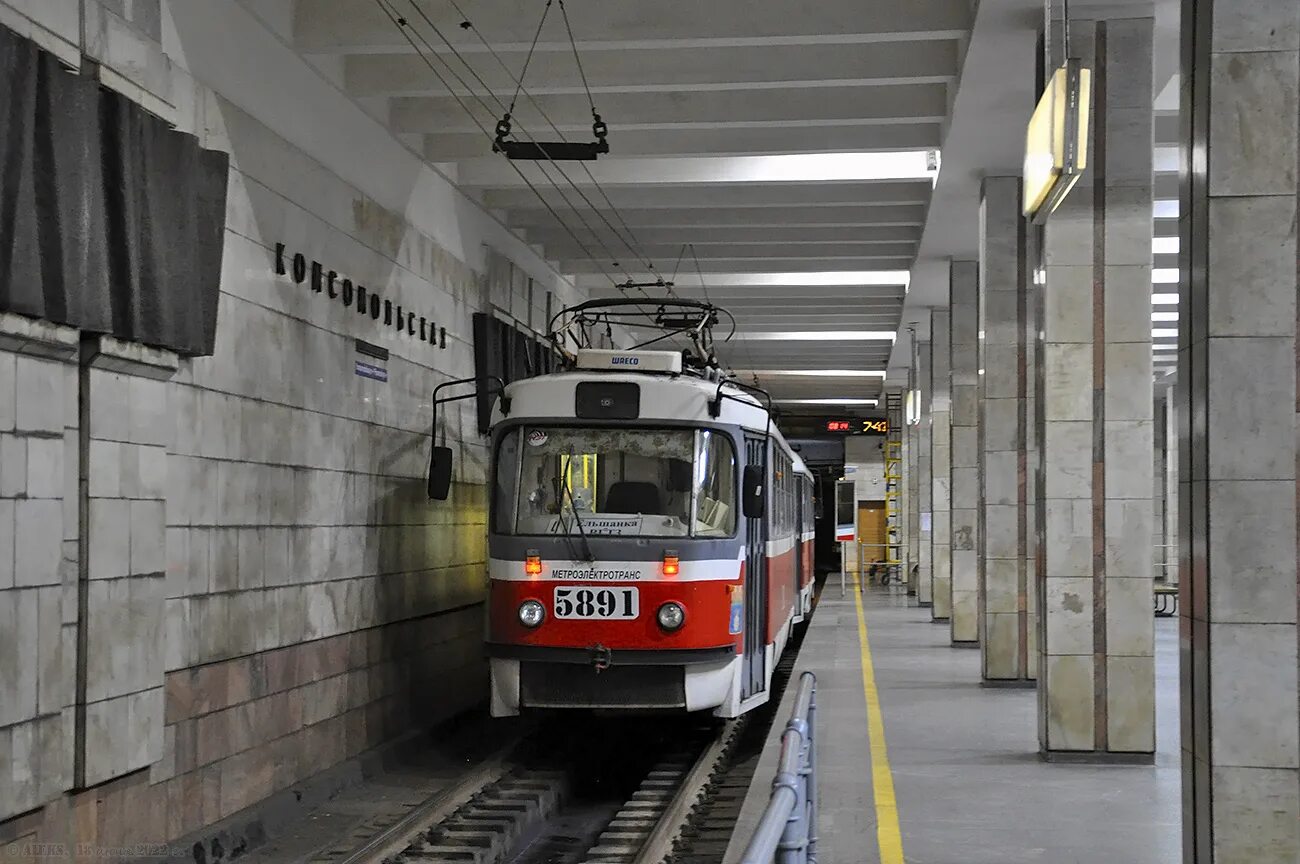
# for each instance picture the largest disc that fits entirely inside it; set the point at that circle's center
(650, 540)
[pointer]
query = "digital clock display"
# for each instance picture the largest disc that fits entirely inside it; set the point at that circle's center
(858, 427)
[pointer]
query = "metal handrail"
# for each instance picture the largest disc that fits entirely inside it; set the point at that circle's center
(787, 831)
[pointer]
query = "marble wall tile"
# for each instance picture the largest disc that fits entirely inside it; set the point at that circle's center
(1067, 303)
(1252, 819)
(1252, 249)
(1128, 232)
(1069, 616)
(1128, 538)
(1068, 535)
(18, 647)
(1256, 25)
(1002, 652)
(13, 466)
(1263, 413)
(1001, 586)
(38, 395)
(6, 544)
(1129, 623)
(1128, 448)
(1068, 382)
(1069, 718)
(1000, 476)
(1001, 531)
(1068, 446)
(1253, 709)
(1128, 380)
(1130, 703)
(1251, 550)
(1254, 100)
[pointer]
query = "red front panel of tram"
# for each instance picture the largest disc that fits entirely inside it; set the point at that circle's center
(711, 613)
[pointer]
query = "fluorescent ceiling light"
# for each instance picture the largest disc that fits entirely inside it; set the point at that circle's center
(1164, 346)
(811, 373)
(1164, 333)
(1165, 208)
(819, 336)
(1164, 276)
(828, 401)
(845, 278)
(811, 167)
(1164, 299)
(1164, 245)
(1164, 316)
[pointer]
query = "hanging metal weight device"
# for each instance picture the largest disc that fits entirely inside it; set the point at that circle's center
(554, 151)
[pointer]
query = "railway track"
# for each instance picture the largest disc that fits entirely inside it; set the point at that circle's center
(644, 790)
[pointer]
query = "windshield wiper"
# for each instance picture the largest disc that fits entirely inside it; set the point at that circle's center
(573, 506)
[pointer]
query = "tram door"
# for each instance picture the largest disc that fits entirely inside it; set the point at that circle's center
(754, 675)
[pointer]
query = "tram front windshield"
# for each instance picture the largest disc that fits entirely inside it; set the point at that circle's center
(624, 481)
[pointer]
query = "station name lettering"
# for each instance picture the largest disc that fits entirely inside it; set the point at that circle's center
(366, 302)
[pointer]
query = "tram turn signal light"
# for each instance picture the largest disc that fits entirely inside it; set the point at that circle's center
(533, 564)
(671, 567)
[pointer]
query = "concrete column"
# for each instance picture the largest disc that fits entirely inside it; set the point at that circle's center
(1170, 435)
(941, 464)
(1004, 596)
(1237, 413)
(925, 482)
(963, 304)
(1097, 677)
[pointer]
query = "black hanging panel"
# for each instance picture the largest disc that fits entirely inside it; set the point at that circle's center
(110, 221)
(53, 252)
(501, 349)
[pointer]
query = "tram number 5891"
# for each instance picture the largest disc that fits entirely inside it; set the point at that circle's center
(603, 603)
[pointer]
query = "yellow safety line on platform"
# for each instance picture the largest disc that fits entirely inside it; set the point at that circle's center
(888, 835)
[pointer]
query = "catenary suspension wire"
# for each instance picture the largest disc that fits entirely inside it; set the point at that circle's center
(576, 59)
(529, 59)
(634, 245)
(488, 90)
(403, 26)
(399, 24)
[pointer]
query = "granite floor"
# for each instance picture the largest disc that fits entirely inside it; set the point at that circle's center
(970, 786)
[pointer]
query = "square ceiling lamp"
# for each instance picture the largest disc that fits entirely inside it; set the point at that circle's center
(1056, 142)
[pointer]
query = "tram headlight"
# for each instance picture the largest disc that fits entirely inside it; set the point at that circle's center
(671, 616)
(531, 613)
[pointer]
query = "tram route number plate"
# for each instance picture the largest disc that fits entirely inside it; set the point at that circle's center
(601, 603)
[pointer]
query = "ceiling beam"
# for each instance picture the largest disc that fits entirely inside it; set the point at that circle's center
(725, 195)
(667, 69)
(755, 218)
(666, 254)
(779, 106)
(338, 26)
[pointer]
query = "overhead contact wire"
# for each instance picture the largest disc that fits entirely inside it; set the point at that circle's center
(635, 245)
(399, 23)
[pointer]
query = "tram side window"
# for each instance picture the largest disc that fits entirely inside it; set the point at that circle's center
(715, 480)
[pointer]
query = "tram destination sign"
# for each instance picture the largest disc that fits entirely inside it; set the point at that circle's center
(857, 426)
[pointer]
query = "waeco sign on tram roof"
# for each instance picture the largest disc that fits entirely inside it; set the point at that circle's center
(630, 361)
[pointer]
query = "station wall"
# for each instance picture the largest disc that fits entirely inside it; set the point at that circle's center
(220, 575)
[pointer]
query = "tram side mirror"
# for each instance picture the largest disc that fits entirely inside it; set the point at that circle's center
(752, 492)
(440, 473)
